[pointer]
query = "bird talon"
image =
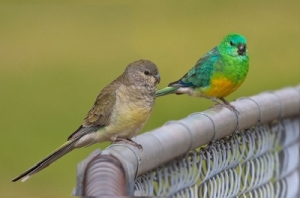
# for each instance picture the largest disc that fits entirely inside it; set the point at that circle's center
(228, 106)
(128, 141)
(232, 108)
(216, 105)
(131, 94)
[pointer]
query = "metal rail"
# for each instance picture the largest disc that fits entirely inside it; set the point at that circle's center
(176, 138)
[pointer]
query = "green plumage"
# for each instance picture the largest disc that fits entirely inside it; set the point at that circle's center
(166, 90)
(199, 75)
(217, 74)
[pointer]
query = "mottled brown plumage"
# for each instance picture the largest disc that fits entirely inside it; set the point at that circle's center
(118, 114)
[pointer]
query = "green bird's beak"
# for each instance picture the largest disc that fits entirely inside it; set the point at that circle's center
(241, 49)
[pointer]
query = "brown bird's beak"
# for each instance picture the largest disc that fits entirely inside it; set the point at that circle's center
(157, 78)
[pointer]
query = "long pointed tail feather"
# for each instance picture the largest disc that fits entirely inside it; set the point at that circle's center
(165, 91)
(58, 153)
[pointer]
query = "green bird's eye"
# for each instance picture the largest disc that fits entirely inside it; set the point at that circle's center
(231, 43)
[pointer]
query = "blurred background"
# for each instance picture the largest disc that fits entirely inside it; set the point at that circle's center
(55, 58)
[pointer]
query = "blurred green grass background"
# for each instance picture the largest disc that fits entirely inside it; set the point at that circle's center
(56, 57)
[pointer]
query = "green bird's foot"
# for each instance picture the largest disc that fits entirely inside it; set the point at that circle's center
(227, 105)
(127, 141)
(230, 107)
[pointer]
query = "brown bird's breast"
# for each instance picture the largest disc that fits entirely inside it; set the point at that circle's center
(131, 110)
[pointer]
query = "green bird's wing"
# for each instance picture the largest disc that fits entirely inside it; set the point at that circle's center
(199, 75)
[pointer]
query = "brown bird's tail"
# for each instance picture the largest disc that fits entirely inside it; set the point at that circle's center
(58, 153)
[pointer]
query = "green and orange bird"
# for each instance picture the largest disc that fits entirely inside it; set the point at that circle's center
(118, 114)
(217, 74)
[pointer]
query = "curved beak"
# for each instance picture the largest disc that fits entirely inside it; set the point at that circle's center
(157, 78)
(241, 49)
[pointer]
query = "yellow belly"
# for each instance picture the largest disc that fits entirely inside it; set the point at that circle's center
(220, 87)
(129, 113)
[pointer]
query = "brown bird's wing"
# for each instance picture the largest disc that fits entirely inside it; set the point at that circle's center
(100, 113)
(97, 117)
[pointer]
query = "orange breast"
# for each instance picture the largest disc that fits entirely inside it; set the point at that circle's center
(221, 87)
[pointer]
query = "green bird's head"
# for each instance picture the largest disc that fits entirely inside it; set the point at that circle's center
(234, 45)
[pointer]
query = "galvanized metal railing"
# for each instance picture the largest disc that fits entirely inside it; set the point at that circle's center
(112, 171)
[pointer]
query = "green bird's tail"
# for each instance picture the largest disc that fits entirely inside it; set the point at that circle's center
(58, 153)
(165, 91)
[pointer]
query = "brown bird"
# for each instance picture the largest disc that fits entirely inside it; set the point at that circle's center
(120, 111)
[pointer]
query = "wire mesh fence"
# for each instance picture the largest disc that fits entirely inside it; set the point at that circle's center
(260, 159)
(258, 162)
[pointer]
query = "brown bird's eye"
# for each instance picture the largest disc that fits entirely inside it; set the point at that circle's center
(146, 73)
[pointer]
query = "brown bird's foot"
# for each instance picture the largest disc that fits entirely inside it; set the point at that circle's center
(128, 141)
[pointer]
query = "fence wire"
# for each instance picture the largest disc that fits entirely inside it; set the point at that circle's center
(262, 161)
